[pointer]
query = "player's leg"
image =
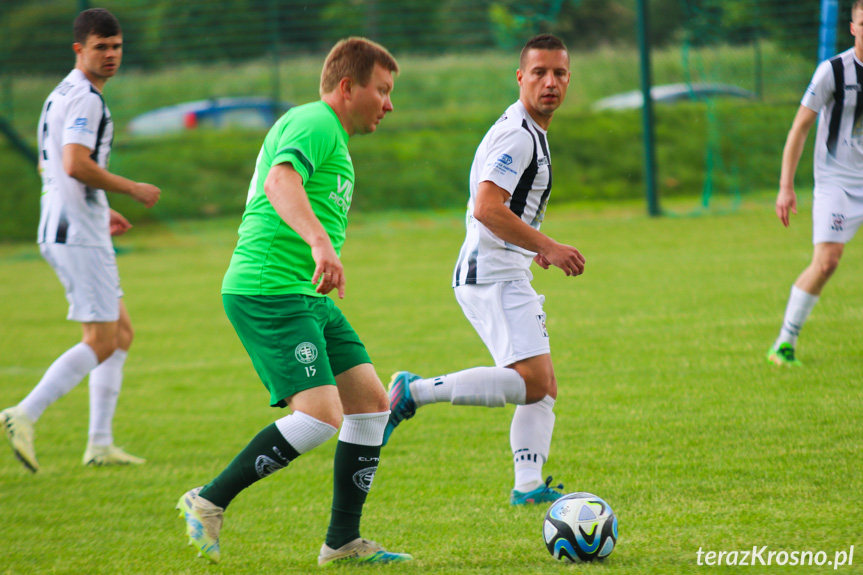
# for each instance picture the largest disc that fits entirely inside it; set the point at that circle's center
(366, 410)
(483, 305)
(105, 383)
(836, 216)
(85, 274)
(286, 358)
(531, 430)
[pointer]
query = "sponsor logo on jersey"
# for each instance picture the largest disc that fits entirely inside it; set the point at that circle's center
(502, 163)
(543, 161)
(80, 126)
(854, 87)
(364, 477)
(306, 352)
(343, 195)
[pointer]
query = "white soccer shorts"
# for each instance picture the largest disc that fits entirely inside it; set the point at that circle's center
(836, 214)
(508, 317)
(89, 276)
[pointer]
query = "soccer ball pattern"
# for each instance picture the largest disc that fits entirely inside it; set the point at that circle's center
(580, 527)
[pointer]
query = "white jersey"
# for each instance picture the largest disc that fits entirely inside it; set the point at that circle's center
(71, 212)
(839, 139)
(513, 155)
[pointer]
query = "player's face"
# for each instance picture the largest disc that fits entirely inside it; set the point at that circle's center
(99, 58)
(370, 103)
(543, 81)
(857, 31)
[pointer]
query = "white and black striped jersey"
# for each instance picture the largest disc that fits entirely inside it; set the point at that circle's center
(71, 212)
(514, 155)
(836, 93)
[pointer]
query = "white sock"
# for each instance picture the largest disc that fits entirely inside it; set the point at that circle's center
(65, 373)
(304, 432)
(105, 382)
(530, 439)
(483, 386)
(364, 428)
(800, 304)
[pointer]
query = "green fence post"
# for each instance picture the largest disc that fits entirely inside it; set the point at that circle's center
(647, 111)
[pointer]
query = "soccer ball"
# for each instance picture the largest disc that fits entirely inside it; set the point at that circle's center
(580, 527)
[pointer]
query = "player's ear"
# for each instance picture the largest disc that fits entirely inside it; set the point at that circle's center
(346, 86)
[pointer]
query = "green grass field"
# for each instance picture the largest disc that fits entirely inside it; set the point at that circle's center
(667, 408)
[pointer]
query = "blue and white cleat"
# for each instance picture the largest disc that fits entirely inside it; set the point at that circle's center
(542, 494)
(203, 523)
(359, 551)
(402, 405)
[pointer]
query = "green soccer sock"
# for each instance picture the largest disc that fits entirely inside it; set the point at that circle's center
(268, 452)
(354, 469)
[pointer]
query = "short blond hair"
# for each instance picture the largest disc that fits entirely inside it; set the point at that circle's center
(354, 58)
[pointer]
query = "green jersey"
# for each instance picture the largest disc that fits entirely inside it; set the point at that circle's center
(270, 257)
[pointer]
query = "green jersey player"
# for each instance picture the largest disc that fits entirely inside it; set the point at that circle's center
(274, 292)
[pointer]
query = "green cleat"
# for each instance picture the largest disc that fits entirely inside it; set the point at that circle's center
(19, 431)
(99, 455)
(402, 405)
(542, 494)
(203, 523)
(359, 551)
(783, 355)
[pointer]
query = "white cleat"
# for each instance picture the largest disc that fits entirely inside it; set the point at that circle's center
(98, 455)
(19, 431)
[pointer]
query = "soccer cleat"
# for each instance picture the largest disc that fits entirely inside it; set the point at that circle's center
(542, 494)
(359, 551)
(19, 431)
(203, 523)
(402, 405)
(783, 355)
(98, 455)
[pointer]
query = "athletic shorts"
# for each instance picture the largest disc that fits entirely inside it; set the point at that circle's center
(836, 213)
(89, 276)
(296, 342)
(508, 317)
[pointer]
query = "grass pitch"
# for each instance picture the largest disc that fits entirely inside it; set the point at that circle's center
(667, 408)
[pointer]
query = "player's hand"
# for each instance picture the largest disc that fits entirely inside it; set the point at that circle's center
(786, 203)
(329, 273)
(117, 224)
(541, 261)
(147, 194)
(566, 258)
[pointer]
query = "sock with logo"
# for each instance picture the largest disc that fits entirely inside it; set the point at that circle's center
(354, 467)
(800, 304)
(530, 439)
(272, 449)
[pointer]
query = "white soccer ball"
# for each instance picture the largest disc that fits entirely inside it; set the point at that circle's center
(580, 527)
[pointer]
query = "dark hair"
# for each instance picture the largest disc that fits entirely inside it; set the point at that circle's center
(546, 42)
(96, 21)
(355, 58)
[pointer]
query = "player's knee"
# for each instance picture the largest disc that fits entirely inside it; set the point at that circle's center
(828, 265)
(537, 387)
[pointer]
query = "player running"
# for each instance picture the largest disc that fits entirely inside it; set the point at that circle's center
(837, 209)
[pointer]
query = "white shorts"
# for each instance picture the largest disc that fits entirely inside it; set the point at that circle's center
(836, 214)
(89, 276)
(508, 316)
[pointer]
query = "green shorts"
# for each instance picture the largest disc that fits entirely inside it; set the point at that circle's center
(296, 342)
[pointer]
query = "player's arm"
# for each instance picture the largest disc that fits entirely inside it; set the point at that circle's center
(285, 190)
(78, 163)
(786, 200)
(491, 210)
(117, 223)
